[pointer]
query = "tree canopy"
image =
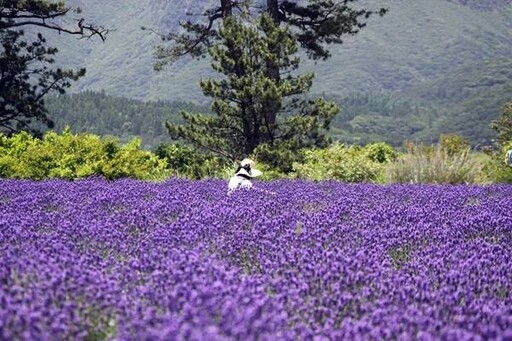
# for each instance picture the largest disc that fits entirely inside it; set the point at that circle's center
(503, 125)
(313, 24)
(26, 73)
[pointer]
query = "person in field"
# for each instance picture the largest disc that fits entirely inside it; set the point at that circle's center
(508, 158)
(245, 172)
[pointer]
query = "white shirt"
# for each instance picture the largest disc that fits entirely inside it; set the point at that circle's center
(238, 182)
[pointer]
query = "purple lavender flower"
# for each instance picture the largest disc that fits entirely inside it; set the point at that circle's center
(181, 259)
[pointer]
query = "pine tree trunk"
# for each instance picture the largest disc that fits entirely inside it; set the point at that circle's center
(273, 10)
(272, 73)
(226, 8)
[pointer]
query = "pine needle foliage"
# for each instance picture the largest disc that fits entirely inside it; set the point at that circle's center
(250, 108)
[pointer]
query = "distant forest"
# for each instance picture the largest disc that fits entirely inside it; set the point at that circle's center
(124, 118)
(456, 105)
(463, 102)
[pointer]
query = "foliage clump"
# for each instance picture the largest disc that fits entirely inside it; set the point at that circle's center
(189, 162)
(74, 156)
(503, 125)
(380, 152)
(500, 171)
(453, 143)
(349, 163)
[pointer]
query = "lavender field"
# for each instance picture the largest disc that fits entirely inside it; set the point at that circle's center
(132, 260)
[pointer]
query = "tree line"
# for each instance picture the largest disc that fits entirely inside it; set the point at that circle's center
(364, 118)
(124, 118)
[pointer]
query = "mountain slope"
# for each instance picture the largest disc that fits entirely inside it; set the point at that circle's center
(416, 41)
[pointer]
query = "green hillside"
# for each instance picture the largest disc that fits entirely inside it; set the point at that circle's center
(463, 101)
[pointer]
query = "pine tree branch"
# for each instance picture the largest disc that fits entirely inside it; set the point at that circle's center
(208, 147)
(48, 88)
(202, 38)
(100, 31)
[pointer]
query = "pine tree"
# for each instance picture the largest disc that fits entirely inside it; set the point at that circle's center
(312, 23)
(242, 98)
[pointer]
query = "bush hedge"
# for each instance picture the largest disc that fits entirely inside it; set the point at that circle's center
(497, 168)
(73, 156)
(345, 163)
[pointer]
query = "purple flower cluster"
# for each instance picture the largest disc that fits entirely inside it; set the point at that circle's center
(132, 260)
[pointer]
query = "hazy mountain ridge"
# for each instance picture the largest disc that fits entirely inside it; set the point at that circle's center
(414, 42)
(483, 5)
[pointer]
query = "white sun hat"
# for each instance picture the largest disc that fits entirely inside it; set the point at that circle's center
(247, 169)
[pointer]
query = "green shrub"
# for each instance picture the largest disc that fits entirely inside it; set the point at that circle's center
(279, 158)
(130, 161)
(70, 156)
(435, 164)
(503, 125)
(269, 172)
(12, 150)
(179, 157)
(380, 152)
(339, 162)
(187, 162)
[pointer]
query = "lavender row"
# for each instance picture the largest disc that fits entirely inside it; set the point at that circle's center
(132, 260)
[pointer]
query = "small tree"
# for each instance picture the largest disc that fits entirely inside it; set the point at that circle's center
(246, 92)
(454, 144)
